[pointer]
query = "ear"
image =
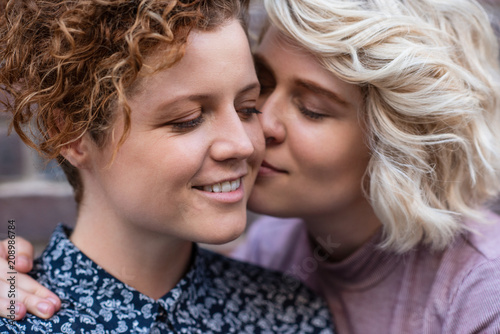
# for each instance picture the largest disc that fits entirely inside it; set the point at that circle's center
(78, 153)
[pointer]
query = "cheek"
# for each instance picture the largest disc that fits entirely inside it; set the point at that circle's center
(160, 163)
(154, 183)
(331, 154)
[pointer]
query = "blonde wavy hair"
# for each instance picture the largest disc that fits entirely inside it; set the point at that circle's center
(429, 73)
(68, 65)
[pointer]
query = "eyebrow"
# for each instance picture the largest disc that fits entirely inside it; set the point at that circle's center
(249, 87)
(201, 97)
(313, 87)
(198, 97)
(309, 85)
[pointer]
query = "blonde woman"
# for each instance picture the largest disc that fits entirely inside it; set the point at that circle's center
(381, 121)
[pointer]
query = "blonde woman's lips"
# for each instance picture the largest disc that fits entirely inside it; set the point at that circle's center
(267, 169)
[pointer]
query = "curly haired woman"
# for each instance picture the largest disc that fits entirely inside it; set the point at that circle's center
(151, 112)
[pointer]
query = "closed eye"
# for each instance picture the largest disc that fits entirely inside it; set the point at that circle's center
(188, 125)
(247, 113)
(311, 114)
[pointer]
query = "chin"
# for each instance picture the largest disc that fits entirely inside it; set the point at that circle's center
(223, 231)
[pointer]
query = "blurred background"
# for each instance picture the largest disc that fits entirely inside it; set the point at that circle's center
(36, 194)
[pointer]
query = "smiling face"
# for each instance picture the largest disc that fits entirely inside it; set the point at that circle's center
(189, 162)
(316, 155)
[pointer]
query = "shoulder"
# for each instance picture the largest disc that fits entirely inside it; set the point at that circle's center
(58, 269)
(474, 251)
(485, 236)
(72, 318)
(474, 296)
(65, 321)
(474, 304)
(239, 272)
(267, 295)
(11, 326)
(270, 241)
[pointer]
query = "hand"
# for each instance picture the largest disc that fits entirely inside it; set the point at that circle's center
(30, 296)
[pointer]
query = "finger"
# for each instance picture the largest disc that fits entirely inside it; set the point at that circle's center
(24, 255)
(35, 293)
(3, 249)
(18, 253)
(12, 311)
(26, 291)
(30, 287)
(40, 307)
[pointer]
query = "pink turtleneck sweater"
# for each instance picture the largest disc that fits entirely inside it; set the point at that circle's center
(373, 291)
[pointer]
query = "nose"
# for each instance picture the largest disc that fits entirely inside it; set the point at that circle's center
(232, 140)
(273, 110)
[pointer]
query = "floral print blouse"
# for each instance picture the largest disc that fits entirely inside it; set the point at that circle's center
(217, 295)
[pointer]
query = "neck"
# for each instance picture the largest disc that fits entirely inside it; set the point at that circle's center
(148, 261)
(340, 233)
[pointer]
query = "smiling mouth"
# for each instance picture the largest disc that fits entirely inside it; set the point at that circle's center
(222, 187)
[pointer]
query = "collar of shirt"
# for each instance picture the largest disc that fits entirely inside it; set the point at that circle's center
(216, 295)
(105, 299)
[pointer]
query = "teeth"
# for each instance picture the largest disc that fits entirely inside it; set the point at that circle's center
(226, 186)
(223, 187)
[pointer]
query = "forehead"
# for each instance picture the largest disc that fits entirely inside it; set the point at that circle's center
(287, 57)
(209, 56)
(216, 70)
(295, 67)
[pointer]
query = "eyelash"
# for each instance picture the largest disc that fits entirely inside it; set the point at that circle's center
(246, 113)
(311, 114)
(189, 124)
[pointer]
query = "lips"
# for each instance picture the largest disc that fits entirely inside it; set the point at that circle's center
(228, 191)
(222, 186)
(267, 168)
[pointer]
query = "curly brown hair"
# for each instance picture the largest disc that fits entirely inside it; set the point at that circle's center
(68, 64)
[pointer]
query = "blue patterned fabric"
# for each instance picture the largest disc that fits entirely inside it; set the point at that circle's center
(217, 295)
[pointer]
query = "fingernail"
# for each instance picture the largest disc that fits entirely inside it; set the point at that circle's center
(23, 260)
(17, 307)
(43, 307)
(52, 300)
